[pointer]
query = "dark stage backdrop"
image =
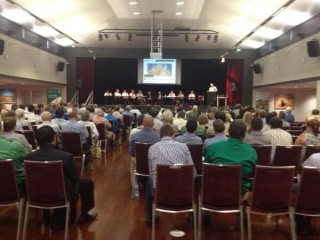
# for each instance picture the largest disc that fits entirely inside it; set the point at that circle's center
(196, 75)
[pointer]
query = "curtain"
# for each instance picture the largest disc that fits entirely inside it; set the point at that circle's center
(85, 77)
(234, 81)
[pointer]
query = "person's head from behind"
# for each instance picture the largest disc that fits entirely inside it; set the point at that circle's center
(256, 124)
(45, 135)
(288, 109)
(220, 115)
(276, 122)
(85, 115)
(237, 129)
(167, 131)
(269, 116)
(191, 125)
(73, 115)
(140, 119)
(181, 114)
(314, 125)
(148, 121)
(153, 111)
(46, 116)
(167, 116)
(9, 124)
(59, 112)
(282, 114)
(218, 126)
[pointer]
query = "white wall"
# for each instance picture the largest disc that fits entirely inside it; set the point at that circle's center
(305, 100)
(20, 60)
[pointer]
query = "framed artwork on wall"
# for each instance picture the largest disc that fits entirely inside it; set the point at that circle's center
(282, 101)
(8, 96)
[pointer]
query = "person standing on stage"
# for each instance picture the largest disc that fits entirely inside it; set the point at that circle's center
(212, 88)
(108, 96)
(117, 96)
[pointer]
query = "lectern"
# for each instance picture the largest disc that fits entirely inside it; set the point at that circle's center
(211, 98)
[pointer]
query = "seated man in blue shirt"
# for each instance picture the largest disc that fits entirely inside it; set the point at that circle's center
(189, 137)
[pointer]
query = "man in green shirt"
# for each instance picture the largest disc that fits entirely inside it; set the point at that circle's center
(234, 151)
(15, 151)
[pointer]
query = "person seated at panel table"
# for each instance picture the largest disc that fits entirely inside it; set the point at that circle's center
(180, 97)
(149, 97)
(159, 98)
(171, 94)
(107, 93)
(125, 96)
(133, 97)
(117, 96)
(140, 97)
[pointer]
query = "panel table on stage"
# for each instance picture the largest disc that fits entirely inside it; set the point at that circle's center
(222, 99)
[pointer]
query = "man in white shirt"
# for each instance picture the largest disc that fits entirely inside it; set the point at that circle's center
(212, 88)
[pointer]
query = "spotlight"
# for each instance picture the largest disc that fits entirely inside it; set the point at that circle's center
(215, 38)
(106, 35)
(186, 37)
(223, 60)
(130, 37)
(238, 49)
(208, 37)
(197, 38)
(118, 37)
(94, 57)
(100, 37)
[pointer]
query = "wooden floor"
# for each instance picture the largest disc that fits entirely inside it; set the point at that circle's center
(120, 218)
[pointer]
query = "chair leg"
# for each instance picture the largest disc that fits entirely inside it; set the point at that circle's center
(25, 222)
(153, 221)
(195, 222)
(199, 220)
(66, 230)
(133, 184)
(292, 224)
(241, 222)
(20, 219)
(249, 223)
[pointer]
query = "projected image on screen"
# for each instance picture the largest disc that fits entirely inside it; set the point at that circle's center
(159, 71)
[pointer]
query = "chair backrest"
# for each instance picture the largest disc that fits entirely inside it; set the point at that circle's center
(311, 149)
(287, 155)
(264, 154)
(308, 199)
(174, 187)
(141, 154)
(101, 130)
(71, 143)
(272, 188)
(89, 138)
(45, 183)
(196, 151)
(295, 132)
(219, 191)
(25, 127)
(29, 135)
(8, 183)
(127, 120)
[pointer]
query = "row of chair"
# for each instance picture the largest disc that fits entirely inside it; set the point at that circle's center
(221, 192)
(45, 189)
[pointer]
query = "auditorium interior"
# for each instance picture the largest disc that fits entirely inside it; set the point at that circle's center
(257, 52)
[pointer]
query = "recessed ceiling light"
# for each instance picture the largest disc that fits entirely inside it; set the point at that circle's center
(133, 3)
(179, 13)
(136, 13)
(180, 3)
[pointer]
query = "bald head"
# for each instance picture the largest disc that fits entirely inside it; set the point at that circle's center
(147, 121)
(46, 116)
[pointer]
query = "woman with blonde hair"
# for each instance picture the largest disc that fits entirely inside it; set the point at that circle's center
(310, 136)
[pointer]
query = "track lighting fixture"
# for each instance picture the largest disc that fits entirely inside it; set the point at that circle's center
(197, 38)
(118, 37)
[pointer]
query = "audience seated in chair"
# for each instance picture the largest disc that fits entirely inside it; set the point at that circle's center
(74, 185)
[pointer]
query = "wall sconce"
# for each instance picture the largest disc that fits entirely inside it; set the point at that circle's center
(118, 37)
(197, 38)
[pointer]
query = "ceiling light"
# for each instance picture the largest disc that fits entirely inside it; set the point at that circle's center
(45, 31)
(136, 13)
(133, 3)
(100, 37)
(252, 43)
(223, 60)
(238, 49)
(291, 17)
(268, 33)
(179, 13)
(180, 3)
(118, 37)
(64, 42)
(17, 16)
(197, 38)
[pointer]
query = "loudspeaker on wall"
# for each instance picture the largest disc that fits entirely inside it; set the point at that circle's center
(257, 68)
(60, 66)
(1, 46)
(313, 48)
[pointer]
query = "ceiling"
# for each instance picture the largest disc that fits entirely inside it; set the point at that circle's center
(81, 20)
(233, 20)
